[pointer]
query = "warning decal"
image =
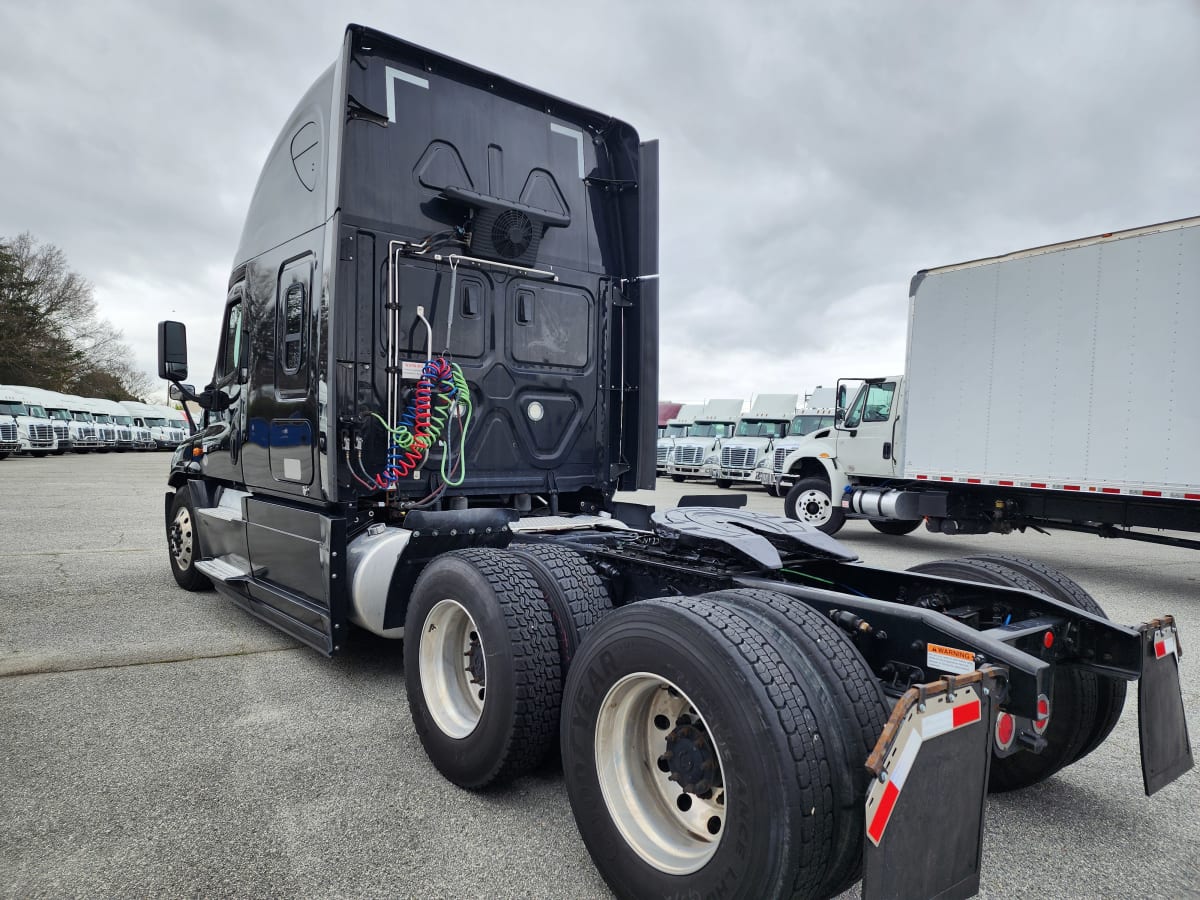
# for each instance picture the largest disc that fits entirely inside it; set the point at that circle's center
(949, 659)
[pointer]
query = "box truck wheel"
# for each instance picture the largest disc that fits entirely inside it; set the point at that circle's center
(1110, 691)
(183, 545)
(896, 526)
(575, 594)
(849, 704)
(481, 667)
(1073, 697)
(809, 502)
(694, 761)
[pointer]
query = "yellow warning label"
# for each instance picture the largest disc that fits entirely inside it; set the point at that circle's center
(949, 659)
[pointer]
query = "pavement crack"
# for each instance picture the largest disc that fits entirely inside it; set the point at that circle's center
(15, 668)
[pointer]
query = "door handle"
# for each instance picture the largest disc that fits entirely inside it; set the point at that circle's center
(887, 449)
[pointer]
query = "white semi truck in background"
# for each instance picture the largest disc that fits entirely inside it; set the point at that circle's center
(753, 439)
(34, 430)
(686, 457)
(677, 426)
(156, 421)
(1047, 388)
(816, 416)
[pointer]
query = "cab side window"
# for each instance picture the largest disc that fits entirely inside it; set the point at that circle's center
(879, 402)
(231, 338)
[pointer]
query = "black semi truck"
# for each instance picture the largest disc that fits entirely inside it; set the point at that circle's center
(437, 368)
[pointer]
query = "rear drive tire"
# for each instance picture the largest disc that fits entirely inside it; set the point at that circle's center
(849, 705)
(575, 594)
(481, 667)
(689, 676)
(183, 544)
(895, 526)
(1110, 691)
(809, 501)
(1073, 697)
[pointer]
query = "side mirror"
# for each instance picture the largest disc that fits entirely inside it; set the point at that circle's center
(172, 351)
(841, 400)
(177, 391)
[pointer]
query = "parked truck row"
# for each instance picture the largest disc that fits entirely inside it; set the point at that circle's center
(438, 366)
(39, 422)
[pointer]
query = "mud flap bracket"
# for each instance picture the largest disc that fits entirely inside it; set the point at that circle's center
(1162, 727)
(925, 807)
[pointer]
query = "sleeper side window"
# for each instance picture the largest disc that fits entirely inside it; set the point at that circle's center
(293, 328)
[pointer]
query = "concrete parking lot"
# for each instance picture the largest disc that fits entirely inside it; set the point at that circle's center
(155, 742)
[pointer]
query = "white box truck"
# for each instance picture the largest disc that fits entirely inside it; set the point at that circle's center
(690, 454)
(1031, 380)
(753, 439)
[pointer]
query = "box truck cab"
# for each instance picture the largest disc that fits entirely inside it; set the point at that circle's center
(677, 426)
(688, 456)
(864, 441)
(35, 432)
(754, 438)
(815, 418)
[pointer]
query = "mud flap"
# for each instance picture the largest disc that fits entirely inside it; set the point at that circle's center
(924, 834)
(1162, 727)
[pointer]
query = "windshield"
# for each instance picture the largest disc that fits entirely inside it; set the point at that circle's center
(177, 423)
(103, 419)
(81, 416)
(711, 429)
(123, 420)
(676, 431)
(61, 414)
(8, 408)
(155, 423)
(807, 424)
(760, 428)
(37, 412)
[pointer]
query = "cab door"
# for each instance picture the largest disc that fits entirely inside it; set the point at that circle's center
(865, 439)
(226, 420)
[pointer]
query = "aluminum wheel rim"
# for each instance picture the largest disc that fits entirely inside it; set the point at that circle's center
(674, 836)
(181, 538)
(454, 695)
(823, 503)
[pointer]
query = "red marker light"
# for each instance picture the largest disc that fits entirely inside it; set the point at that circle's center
(1048, 640)
(1006, 728)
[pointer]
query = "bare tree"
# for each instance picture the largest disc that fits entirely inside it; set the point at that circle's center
(49, 334)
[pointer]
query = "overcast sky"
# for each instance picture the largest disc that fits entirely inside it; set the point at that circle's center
(814, 155)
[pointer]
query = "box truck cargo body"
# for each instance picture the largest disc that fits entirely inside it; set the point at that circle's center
(1046, 388)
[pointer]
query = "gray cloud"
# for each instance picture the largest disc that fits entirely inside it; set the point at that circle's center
(814, 156)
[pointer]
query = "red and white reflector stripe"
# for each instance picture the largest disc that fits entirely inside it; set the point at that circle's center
(941, 716)
(1164, 643)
